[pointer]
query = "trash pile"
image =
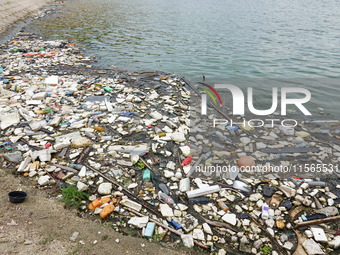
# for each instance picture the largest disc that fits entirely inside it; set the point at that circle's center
(127, 139)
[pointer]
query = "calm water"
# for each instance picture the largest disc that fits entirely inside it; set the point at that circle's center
(218, 38)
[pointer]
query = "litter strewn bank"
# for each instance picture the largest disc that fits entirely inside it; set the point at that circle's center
(124, 138)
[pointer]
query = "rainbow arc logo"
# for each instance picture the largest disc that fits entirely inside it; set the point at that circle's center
(213, 94)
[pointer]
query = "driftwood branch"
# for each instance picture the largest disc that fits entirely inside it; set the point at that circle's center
(318, 221)
(168, 228)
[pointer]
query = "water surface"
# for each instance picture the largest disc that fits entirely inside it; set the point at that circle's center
(218, 38)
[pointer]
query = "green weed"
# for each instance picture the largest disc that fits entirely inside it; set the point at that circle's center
(72, 196)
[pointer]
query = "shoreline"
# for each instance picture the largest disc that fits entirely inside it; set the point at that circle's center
(153, 106)
(12, 12)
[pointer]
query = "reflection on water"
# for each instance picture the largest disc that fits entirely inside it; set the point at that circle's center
(218, 38)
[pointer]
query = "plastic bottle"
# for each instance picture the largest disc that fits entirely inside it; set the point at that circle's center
(163, 188)
(265, 211)
(186, 161)
(146, 176)
(76, 166)
(90, 135)
(167, 198)
(200, 200)
(223, 206)
(175, 224)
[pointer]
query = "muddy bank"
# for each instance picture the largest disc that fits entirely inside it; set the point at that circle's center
(13, 11)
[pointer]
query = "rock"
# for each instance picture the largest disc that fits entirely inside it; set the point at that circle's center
(24, 164)
(207, 229)
(105, 188)
(178, 137)
(80, 142)
(280, 224)
(245, 140)
(14, 157)
(139, 222)
(187, 240)
(258, 243)
(335, 243)
(246, 161)
(271, 232)
(244, 239)
(288, 246)
(319, 235)
(288, 191)
(9, 119)
(302, 134)
(198, 234)
(166, 210)
(244, 247)
(270, 223)
(255, 197)
(328, 211)
(168, 174)
(156, 115)
(287, 204)
(43, 180)
(185, 150)
(82, 186)
(312, 248)
(230, 218)
(284, 238)
(82, 172)
(74, 236)
(221, 252)
(268, 191)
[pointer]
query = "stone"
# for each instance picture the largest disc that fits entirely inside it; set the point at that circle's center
(166, 210)
(270, 223)
(258, 243)
(80, 142)
(268, 191)
(9, 119)
(221, 252)
(82, 172)
(302, 134)
(287, 204)
(139, 222)
(335, 243)
(156, 115)
(312, 248)
(230, 218)
(246, 161)
(14, 157)
(280, 224)
(255, 197)
(288, 246)
(178, 137)
(187, 240)
(105, 188)
(185, 150)
(74, 236)
(288, 191)
(82, 186)
(319, 235)
(44, 180)
(328, 211)
(198, 234)
(207, 229)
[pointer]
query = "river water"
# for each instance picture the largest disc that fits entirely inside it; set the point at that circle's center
(220, 39)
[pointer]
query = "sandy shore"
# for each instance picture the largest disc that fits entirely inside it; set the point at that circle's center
(13, 10)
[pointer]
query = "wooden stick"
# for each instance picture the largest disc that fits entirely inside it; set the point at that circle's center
(168, 228)
(318, 221)
(126, 192)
